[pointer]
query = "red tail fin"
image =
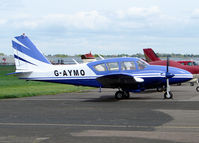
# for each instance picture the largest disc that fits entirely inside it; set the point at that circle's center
(150, 55)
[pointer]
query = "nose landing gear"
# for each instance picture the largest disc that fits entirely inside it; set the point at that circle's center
(168, 94)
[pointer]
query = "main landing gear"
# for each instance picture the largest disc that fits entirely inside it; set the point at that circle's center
(161, 88)
(122, 95)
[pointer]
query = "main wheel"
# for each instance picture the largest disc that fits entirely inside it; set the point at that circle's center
(161, 88)
(179, 84)
(119, 95)
(191, 84)
(126, 95)
(168, 96)
(197, 88)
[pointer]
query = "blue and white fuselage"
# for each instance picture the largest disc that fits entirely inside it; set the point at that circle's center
(129, 74)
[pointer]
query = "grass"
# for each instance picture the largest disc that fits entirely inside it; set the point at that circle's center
(12, 87)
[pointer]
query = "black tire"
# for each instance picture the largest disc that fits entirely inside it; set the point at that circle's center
(179, 84)
(197, 88)
(191, 84)
(126, 95)
(168, 97)
(161, 89)
(119, 95)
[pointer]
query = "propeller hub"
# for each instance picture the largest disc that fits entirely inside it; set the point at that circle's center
(169, 75)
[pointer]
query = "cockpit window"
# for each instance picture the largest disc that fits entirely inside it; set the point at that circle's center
(128, 65)
(141, 64)
(100, 67)
(114, 66)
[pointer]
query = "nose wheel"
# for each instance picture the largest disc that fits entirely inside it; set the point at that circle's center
(161, 88)
(168, 95)
(122, 95)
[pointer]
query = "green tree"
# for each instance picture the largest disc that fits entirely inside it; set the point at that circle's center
(2, 54)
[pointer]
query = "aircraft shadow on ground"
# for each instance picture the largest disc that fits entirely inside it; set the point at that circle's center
(109, 98)
(104, 98)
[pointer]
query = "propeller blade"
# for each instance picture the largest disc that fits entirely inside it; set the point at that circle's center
(168, 75)
(167, 64)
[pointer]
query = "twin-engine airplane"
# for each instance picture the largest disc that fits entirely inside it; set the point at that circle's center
(126, 74)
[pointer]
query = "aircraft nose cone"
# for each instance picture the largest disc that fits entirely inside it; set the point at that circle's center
(184, 75)
(180, 75)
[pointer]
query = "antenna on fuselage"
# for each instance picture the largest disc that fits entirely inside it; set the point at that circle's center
(75, 61)
(102, 58)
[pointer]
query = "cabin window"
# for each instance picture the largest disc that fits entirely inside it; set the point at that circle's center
(114, 66)
(189, 64)
(100, 67)
(129, 65)
(141, 64)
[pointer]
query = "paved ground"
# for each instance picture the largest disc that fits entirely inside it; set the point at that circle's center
(97, 117)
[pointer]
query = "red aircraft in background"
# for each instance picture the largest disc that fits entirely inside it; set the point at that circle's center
(151, 56)
(153, 59)
(88, 58)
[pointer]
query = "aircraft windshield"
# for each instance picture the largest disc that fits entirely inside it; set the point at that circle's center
(142, 64)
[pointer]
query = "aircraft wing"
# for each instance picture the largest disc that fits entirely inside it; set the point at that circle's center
(119, 81)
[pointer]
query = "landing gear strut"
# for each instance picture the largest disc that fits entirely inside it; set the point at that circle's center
(122, 95)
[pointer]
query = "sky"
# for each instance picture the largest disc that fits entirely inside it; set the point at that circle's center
(102, 26)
